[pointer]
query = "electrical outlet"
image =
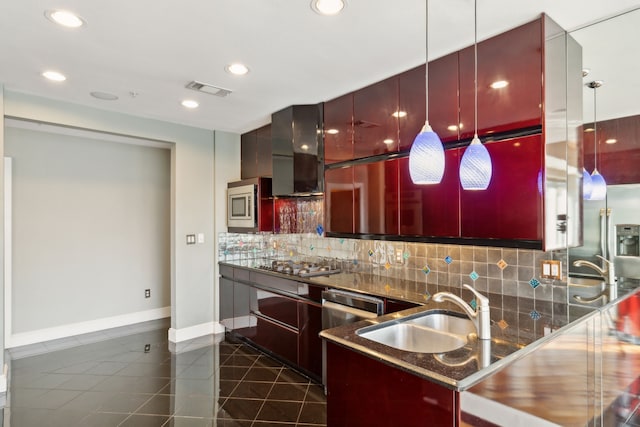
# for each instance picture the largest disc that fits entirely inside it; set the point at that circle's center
(147, 293)
(191, 239)
(551, 269)
(147, 348)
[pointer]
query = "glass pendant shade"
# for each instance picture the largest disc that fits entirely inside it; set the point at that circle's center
(598, 186)
(587, 185)
(426, 157)
(475, 166)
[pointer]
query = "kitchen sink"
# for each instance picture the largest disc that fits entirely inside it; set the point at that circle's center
(429, 332)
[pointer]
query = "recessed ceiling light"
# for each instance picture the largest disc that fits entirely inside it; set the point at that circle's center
(190, 103)
(332, 131)
(585, 72)
(611, 141)
(64, 18)
(237, 69)
(499, 84)
(388, 141)
(54, 76)
(105, 96)
(399, 114)
(328, 7)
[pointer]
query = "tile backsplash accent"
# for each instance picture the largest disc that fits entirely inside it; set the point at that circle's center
(511, 277)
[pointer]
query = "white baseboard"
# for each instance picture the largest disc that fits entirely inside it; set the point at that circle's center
(196, 331)
(64, 331)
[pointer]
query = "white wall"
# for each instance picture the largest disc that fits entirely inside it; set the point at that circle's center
(227, 169)
(192, 196)
(90, 227)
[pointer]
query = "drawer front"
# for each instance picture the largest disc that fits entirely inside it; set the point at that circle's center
(279, 308)
(277, 339)
(273, 282)
(241, 274)
(226, 271)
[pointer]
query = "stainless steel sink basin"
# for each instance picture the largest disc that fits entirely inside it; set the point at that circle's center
(429, 332)
(443, 322)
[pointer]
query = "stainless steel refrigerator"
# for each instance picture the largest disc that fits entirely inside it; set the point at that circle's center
(610, 231)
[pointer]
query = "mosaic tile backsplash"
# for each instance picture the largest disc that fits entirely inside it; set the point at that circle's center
(511, 277)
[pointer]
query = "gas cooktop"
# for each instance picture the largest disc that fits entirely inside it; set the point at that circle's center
(301, 268)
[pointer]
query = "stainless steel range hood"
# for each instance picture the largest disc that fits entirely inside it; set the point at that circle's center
(297, 151)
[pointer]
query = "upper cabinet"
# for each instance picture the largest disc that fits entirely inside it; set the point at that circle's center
(618, 151)
(431, 210)
(375, 119)
(529, 109)
(338, 129)
(510, 82)
(512, 206)
(255, 153)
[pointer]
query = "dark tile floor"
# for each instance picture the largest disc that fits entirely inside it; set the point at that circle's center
(136, 381)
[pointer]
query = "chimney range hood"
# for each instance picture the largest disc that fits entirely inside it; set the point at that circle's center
(297, 152)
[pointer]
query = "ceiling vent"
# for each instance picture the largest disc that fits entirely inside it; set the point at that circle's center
(207, 88)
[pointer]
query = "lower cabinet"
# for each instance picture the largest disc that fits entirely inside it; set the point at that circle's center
(364, 392)
(283, 325)
(276, 338)
(309, 342)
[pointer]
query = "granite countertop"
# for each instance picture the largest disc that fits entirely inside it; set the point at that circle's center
(458, 369)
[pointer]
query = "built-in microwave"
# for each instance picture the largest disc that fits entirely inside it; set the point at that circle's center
(241, 206)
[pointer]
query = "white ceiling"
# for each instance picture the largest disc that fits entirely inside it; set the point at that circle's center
(154, 48)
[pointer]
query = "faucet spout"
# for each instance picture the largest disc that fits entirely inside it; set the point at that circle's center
(480, 317)
(584, 263)
(606, 272)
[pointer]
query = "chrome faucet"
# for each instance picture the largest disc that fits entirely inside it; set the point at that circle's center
(480, 317)
(607, 273)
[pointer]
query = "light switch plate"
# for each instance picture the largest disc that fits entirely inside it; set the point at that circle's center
(200, 237)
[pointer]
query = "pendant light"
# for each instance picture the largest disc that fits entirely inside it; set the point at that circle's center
(587, 185)
(475, 165)
(426, 157)
(598, 184)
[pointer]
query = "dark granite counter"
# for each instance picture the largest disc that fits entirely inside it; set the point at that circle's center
(458, 369)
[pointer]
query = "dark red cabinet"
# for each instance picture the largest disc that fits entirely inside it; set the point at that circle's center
(411, 100)
(431, 210)
(248, 155)
(255, 153)
(376, 198)
(263, 159)
(617, 161)
(340, 198)
(309, 342)
(512, 206)
(375, 119)
(338, 129)
(515, 57)
(365, 392)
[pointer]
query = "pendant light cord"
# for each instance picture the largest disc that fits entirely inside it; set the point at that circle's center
(475, 65)
(595, 131)
(426, 63)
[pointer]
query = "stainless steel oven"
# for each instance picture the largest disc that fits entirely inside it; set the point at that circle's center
(340, 308)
